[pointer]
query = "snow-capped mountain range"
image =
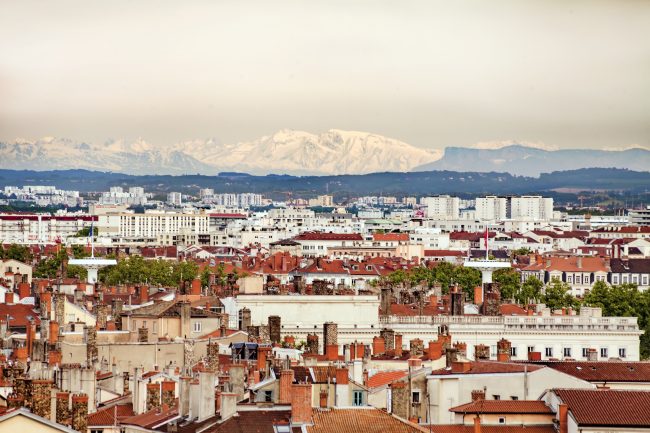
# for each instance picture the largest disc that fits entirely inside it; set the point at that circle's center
(286, 151)
(302, 153)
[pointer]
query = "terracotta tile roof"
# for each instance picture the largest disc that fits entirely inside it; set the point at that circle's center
(111, 415)
(253, 421)
(443, 253)
(151, 418)
(627, 229)
(604, 371)
(362, 420)
(635, 266)
(19, 314)
(511, 310)
(318, 236)
(504, 406)
(491, 367)
(570, 264)
(470, 236)
(391, 237)
(384, 378)
(607, 407)
(459, 428)
(414, 310)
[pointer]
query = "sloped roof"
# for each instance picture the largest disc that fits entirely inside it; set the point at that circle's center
(634, 266)
(460, 428)
(491, 367)
(361, 420)
(252, 421)
(504, 406)
(384, 378)
(607, 407)
(319, 236)
(111, 415)
(604, 371)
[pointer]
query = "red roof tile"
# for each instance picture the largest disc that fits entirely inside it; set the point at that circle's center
(459, 428)
(503, 406)
(319, 236)
(253, 421)
(604, 371)
(362, 420)
(109, 415)
(607, 407)
(391, 237)
(491, 367)
(384, 378)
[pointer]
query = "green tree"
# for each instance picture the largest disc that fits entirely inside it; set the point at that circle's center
(16, 252)
(419, 275)
(531, 291)
(184, 271)
(509, 282)
(443, 274)
(467, 278)
(523, 251)
(627, 301)
(85, 232)
(556, 295)
(205, 277)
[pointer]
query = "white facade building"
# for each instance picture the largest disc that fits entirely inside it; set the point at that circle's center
(534, 207)
(442, 207)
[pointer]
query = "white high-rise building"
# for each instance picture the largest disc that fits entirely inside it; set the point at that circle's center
(442, 207)
(174, 198)
(532, 207)
(491, 208)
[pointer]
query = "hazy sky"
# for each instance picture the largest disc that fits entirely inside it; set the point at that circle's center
(431, 73)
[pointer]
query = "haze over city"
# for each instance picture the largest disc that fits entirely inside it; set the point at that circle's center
(429, 73)
(325, 216)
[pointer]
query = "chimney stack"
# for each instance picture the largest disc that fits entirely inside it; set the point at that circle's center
(301, 403)
(504, 350)
(286, 382)
(228, 405)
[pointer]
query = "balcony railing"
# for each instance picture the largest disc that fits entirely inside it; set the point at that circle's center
(522, 322)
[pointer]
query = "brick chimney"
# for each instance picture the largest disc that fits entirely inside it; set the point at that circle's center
(167, 395)
(262, 355)
(301, 403)
(286, 382)
(504, 348)
(398, 345)
(563, 417)
(435, 350)
(9, 297)
(478, 394)
(80, 412)
(143, 294)
(378, 346)
(478, 295)
(342, 377)
(62, 407)
(461, 366)
(195, 288)
(534, 356)
(332, 352)
(153, 396)
(481, 352)
(24, 290)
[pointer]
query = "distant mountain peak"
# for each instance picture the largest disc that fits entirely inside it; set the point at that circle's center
(285, 151)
